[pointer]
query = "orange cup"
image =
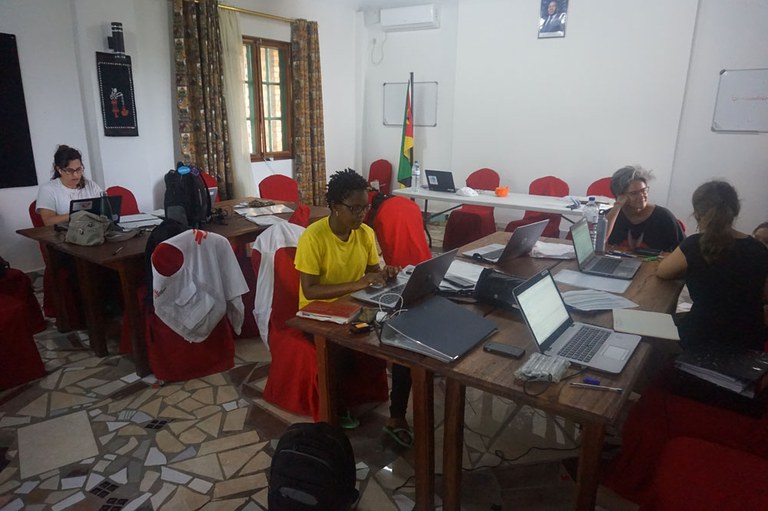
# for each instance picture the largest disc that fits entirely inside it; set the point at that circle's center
(502, 191)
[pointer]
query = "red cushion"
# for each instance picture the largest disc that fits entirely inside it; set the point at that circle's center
(483, 179)
(20, 361)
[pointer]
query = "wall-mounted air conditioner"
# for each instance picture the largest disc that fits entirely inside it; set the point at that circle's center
(416, 17)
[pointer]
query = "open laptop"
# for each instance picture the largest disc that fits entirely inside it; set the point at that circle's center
(406, 289)
(440, 181)
(94, 205)
(555, 332)
(593, 264)
(520, 243)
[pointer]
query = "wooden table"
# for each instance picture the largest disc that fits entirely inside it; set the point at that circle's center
(127, 258)
(495, 375)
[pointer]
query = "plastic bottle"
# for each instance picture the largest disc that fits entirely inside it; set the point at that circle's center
(591, 214)
(416, 175)
(602, 225)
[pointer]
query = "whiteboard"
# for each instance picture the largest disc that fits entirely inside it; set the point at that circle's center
(742, 101)
(424, 103)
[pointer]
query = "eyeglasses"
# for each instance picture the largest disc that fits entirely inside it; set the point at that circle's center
(357, 210)
(638, 193)
(72, 172)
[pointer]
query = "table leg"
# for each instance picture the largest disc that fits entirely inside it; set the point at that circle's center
(53, 261)
(425, 219)
(326, 380)
(132, 314)
(424, 437)
(93, 300)
(592, 436)
(453, 443)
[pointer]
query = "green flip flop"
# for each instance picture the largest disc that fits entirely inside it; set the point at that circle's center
(346, 421)
(394, 434)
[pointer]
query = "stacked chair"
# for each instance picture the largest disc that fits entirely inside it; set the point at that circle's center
(470, 223)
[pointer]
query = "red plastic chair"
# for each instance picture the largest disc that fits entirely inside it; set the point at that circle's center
(381, 171)
(470, 223)
(128, 205)
(550, 186)
(601, 187)
(20, 360)
(16, 284)
(210, 182)
(400, 232)
(279, 187)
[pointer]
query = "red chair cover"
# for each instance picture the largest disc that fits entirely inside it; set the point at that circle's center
(279, 187)
(210, 182)
(470, 223)
(601, 187)
(400, 232)
(300, 216)
(381, 171)
(128, 206)
(15, 284)
(20, 361)
(550, 186)
(704, 476)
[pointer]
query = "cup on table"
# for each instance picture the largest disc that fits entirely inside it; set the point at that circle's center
(502, 191)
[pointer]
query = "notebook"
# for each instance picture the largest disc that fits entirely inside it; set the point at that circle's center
(440, 181)
(407, 289)
(519, 244)
(555, 332)
(94, 205)
(605, 266)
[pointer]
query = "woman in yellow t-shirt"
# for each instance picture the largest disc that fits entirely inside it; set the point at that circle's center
(337, 256)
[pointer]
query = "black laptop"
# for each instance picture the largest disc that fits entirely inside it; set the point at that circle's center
(96, 204)
(440, 181)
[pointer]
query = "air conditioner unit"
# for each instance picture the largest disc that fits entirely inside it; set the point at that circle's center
(416, 17)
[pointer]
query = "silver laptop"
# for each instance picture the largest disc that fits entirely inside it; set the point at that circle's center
(556, 333)
(593, 264)
(440, 181)
(408, 288)
(520, 243)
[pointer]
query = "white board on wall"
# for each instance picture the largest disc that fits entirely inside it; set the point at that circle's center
(424, 103)
(742, 101)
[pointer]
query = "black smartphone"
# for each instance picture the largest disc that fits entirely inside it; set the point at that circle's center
(651, 252)
(504, 350)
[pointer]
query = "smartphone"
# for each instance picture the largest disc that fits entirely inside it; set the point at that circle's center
(652, 252)
(504, 350)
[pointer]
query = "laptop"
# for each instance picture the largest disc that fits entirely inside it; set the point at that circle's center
(555, 332)
(407, 289)
(519, 244)
(593, 264)
(94, 205)
(440, 181)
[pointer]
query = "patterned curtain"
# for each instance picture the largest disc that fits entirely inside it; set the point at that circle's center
(203, 131)
(308, 135)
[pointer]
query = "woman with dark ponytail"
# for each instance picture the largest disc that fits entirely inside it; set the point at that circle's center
(726, 272)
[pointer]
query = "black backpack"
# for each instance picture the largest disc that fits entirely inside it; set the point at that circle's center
(186, 197)
(313, 468)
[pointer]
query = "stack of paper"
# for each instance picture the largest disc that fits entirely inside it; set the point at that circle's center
(546, 250)
(139, 220)
(738, 370)
(461, 275)
(591, 300)
(266, 210)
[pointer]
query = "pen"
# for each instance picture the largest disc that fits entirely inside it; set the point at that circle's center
(620, 254)
(117, 251)
(596, 387)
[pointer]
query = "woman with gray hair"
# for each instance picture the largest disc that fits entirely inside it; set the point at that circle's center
(634, 222)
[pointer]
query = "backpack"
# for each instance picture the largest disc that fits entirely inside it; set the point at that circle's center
(313, 468)
(186, 196)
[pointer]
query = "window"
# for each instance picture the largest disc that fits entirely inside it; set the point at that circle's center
(267, 82)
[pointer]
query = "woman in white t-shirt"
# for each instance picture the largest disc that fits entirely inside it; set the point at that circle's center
(67, 184)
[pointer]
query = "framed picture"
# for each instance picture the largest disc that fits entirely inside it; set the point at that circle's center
(118, 105)
(552, 18)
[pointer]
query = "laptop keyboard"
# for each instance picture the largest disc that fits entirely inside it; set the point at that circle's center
(606, 265)
(584, 344)
(389, 296)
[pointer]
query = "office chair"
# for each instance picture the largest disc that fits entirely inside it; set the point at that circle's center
(279, 187)
(128, 206)
(550, 186)
(470, 223)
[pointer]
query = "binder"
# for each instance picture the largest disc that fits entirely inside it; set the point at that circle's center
(437, 328)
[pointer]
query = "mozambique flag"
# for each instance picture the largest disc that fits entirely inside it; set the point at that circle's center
(406, 147)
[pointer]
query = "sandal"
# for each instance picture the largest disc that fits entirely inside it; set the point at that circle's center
(346, 421)
(403, 436)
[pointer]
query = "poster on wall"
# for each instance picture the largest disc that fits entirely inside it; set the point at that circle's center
(118, 105)
(552, 18)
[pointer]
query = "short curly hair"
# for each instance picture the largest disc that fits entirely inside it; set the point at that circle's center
(622, 178)
(342, 184)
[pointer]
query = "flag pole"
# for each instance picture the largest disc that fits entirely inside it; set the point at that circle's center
(413, 117)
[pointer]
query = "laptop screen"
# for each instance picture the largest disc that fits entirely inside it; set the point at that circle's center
(582, 243)
(542, 306)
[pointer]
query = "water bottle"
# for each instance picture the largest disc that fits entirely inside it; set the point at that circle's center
(591, 214)
(602, 225)
(416, 175)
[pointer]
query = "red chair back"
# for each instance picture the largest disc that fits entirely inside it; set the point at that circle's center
(549, 185)
(210, 182)
(381, 171)
(279, 187)
(128, 205)
(483, 179)
(601, 187)
(285, 300)
(399, 229)
(37, 220)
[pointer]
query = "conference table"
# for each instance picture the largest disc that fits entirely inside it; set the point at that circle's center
(127, 259)
(495, 375)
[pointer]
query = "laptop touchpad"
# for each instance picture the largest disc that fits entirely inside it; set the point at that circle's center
(616, 353)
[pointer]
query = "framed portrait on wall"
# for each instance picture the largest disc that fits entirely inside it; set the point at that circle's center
(552, 18)
(118, 104)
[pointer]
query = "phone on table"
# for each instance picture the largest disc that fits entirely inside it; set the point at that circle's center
(504, 350)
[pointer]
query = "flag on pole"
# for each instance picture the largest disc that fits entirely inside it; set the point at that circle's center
(406, 147)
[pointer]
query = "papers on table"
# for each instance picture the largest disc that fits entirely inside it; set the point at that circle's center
(592, 300)
(266, 210)
(461, 275)
(647, 324)
(139, 220)
(553, 250)
(578, 279)
(265, 219)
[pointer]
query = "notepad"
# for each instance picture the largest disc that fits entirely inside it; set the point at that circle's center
(647, 324)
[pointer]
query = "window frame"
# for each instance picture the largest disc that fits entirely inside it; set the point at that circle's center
(257, 104)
